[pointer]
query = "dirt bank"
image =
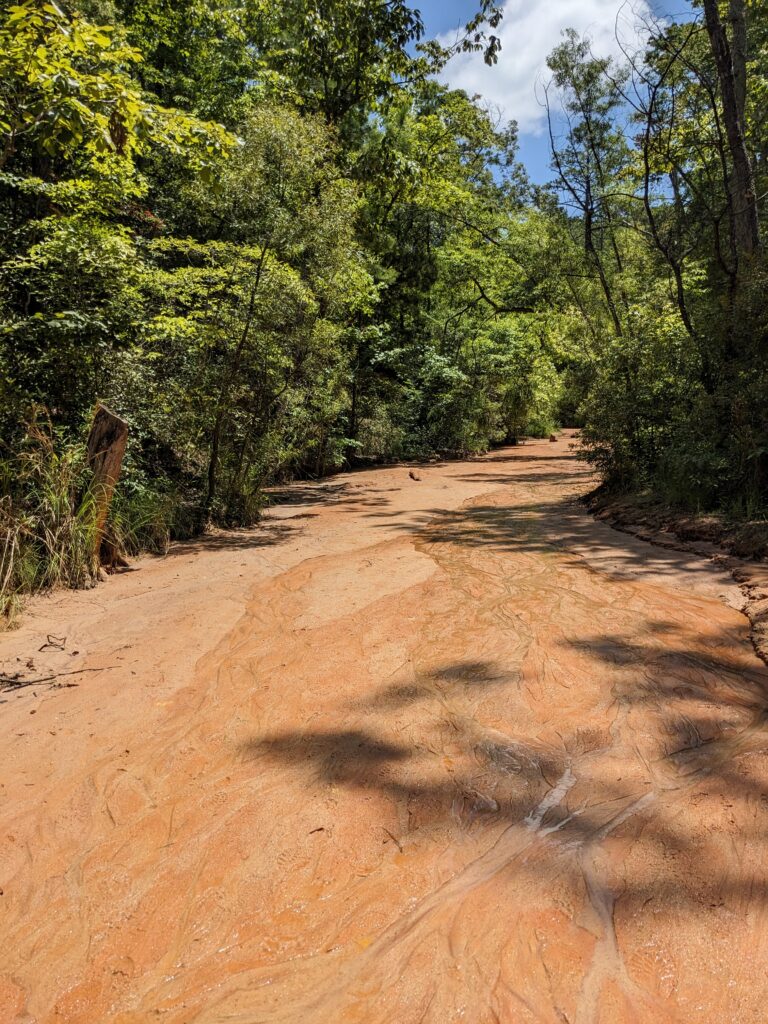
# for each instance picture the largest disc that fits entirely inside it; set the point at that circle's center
(438, 751)
(739, 548)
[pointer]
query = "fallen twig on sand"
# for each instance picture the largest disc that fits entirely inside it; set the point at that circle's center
(17, 682)
(397, 842)
(56, 643)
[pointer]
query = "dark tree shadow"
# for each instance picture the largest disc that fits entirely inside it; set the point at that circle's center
(696, 713)
(266, 534)
(325, 493)
(559, 526)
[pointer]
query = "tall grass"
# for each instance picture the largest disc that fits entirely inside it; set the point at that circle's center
(142, 519)
(47, 518)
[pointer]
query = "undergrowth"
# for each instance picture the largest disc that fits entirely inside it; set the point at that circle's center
(48, 518)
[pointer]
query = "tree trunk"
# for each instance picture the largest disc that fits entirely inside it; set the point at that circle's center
(106, 448)
(213, 462)
(589, 246)
(229, 378)
(731, 73)
(737, 16)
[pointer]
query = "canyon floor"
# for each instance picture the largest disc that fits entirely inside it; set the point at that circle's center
(411, 751)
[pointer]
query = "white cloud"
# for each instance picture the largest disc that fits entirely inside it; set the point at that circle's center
(528, 33)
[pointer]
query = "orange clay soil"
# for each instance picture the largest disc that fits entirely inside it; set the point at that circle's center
(410, 752)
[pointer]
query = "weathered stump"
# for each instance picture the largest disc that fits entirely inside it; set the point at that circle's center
(106, 448)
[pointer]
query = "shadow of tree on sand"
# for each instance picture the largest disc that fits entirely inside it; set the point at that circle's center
(684, 726)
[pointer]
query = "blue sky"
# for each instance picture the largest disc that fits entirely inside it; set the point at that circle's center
(529, 31)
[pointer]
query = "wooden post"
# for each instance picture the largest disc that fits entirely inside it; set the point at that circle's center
(106, 448)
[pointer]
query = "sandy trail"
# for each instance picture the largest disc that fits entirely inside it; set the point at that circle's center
(416, 752)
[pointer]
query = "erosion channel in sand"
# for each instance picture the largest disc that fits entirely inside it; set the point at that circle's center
(411, 751)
